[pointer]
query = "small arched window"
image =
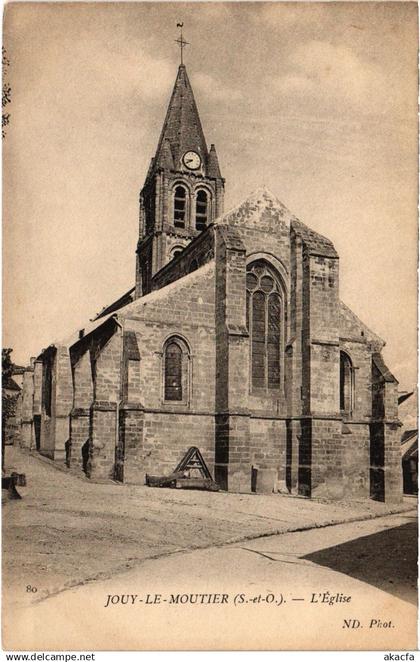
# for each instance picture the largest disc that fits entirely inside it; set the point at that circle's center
(346, 384)
(176, 371)
(180, 207)
(264, 316)
(173, 372)
(201, 210)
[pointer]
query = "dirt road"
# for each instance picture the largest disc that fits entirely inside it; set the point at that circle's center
(68, 532)
(277, 592)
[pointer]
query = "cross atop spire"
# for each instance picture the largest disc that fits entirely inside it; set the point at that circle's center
(181, 41)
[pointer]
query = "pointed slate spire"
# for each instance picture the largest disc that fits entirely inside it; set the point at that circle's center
(150, 169)
(165, 159)
(213, 169)
(182, 127)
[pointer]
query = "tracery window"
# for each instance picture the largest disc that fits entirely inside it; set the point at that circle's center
(201, 210)
(180, 207)
(264, 315)
(346, 384)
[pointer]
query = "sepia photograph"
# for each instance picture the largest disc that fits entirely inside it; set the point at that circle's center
(209, 359)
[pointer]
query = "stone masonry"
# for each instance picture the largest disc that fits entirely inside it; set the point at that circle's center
(234, 340)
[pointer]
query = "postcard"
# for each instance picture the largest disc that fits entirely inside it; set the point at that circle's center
(210, 326)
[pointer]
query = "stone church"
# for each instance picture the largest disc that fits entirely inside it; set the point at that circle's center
(233, 340)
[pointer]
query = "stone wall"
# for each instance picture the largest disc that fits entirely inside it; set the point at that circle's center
(27, 408)
(49, 376)
(268, 454)
(233, 462)
(294, 440)
(355, 446)
(55, 415)
(361, 358)
(168, 436)
(104, 416)
(160, 432)
(385, 434)
(82, 401)
(201, 250)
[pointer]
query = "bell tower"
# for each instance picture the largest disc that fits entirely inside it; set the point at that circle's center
(183, 191)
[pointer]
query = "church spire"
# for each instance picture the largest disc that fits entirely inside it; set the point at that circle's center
(184, 189)
(182, 127)
(213, 168)
(165, 157)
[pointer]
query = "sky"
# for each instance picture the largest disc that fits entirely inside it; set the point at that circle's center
(318, 102)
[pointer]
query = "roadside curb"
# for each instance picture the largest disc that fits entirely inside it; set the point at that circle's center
(321, 525)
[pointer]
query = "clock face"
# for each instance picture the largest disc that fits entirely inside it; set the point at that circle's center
(191, 160)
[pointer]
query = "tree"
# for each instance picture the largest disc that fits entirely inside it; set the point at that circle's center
(8, 401)
(6, 93)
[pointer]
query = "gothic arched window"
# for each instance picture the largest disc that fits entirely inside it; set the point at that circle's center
(176, 370)
(180, 207)
(201, 210)
(346, 384)
(173, 372)
(264, 315)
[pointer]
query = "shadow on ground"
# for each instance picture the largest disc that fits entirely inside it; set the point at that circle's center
(387, 560)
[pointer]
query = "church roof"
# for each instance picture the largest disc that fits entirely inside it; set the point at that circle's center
(260, 204)
(352, 328)
(130, 308)
(409, 435)
(383, 368)
(409, 444)
(10, 385)
(315, 243)
(403, 396)
(163, 292)
(127, 297)
(182, 128)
